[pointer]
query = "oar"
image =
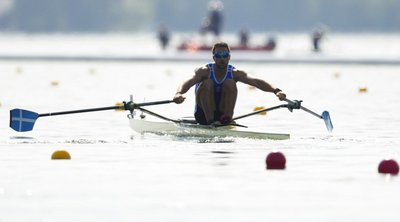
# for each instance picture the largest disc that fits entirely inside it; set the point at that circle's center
(325, 114)
(158, 115)
(23, 120)
(260, 111)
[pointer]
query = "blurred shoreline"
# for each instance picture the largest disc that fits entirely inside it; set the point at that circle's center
(337, 48)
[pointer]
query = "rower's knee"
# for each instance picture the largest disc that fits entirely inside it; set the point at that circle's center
(205, 90)
(229, 86)
(206, 86)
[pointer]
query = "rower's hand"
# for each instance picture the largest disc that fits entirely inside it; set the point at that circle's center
(281, 96)
(179, 98)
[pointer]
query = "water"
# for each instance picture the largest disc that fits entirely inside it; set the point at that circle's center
(118, 175)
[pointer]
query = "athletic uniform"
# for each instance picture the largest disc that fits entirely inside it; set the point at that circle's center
(198, 112)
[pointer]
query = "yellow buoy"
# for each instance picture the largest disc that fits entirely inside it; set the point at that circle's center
(362, 89)
(336, 75)
(92, 71)
(60, 155)
(54, 83)
(257, 108)
(168, 72)
(18, 70)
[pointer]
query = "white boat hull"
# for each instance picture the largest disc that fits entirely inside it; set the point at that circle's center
(192, 130)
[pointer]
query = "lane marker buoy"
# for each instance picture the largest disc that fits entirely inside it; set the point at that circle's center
(275, 161)
(92, 71)
(336, 75)
(362, 89)
(257, 108)
(18, 70)
(60, 155)
(54, 83)
(388, 166)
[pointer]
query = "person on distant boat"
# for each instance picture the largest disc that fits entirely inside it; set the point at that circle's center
(244, 37)
(163, 36)
(271, 43)
(317, 34)
(213, 22)
(216, 90)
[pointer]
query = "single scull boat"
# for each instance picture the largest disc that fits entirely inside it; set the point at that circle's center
(182, 129)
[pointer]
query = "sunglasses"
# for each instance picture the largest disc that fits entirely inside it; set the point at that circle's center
(222, 54)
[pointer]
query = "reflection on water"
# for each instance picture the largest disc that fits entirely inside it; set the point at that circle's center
(222, 152)
(22, 138)
(216, 140)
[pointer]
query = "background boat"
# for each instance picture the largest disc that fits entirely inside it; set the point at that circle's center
(340, 48)
(193, 47)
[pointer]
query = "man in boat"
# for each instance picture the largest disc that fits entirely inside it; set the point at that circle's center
(216, 90)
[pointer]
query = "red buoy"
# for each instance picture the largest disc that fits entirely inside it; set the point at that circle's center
(276, 160)
(388, 166)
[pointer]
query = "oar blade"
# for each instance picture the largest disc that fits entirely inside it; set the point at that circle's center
(327, 120)
(22, 120)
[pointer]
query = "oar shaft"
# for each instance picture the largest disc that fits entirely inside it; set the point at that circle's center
(311, 112)
(305, 109)
(154, 103)
(105, 108)
(260, 111)
(157, 115)
(81, 111)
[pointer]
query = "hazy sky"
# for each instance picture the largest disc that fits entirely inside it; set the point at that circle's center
(187, 15)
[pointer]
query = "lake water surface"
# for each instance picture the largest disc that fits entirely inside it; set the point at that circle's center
(118, 175)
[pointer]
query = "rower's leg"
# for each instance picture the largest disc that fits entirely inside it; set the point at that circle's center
(205, 99)
(228, 97)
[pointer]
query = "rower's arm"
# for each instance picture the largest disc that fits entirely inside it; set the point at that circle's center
(261, 84)
(198, 76)
(186, 85)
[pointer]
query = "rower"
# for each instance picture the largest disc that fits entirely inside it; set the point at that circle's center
(216, 90)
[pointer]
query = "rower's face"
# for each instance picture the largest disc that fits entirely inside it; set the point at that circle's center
(221, 57)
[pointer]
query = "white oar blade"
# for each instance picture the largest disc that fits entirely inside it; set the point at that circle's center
(22, 120)
(327, 120)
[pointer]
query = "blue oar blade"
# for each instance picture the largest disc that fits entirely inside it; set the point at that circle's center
(327, 120)
(22, 120)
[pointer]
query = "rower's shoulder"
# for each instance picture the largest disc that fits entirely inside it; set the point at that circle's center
(238, 72)
(201, 70)
(234, 69)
